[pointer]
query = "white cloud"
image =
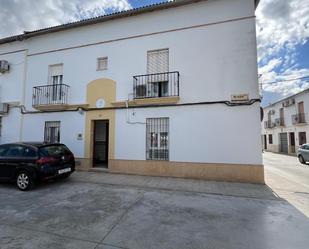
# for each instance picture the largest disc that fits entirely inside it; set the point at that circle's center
(17, 16)
(282, 25)
(286, 84)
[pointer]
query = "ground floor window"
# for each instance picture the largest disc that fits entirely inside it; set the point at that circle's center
(52, 132)
(0, 125)
(157, 138)
(270, 138)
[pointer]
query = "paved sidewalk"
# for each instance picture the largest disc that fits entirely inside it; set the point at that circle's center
(112, 211)
(179, 184)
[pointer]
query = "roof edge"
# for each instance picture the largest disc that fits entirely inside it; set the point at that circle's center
(288, 97)
(99, 19)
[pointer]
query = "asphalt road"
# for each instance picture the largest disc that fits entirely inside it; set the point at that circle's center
(288, 178)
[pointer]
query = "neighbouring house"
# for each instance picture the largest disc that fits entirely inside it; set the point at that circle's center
(285, 125)
(169, 89)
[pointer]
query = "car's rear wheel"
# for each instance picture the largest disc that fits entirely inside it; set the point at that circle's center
(301, 159)
(24, 180)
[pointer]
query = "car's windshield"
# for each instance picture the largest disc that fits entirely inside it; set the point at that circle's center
(54, 150)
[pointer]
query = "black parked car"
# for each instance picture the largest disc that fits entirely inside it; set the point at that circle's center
(28, 163)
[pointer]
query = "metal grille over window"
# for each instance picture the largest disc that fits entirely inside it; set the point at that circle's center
(55, 93)
(52, 132)
(157, 138)
(102, 63)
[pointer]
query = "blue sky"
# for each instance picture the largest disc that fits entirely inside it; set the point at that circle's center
(282, 33)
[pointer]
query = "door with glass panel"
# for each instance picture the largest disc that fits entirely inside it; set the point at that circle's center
(157, 70)
(100, 143)
(55, 82)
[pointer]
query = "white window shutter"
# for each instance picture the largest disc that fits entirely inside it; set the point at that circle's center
(56, 70)
(158, 61)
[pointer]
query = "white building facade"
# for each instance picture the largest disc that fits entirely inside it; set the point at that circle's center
(285, 125)
(167, 90)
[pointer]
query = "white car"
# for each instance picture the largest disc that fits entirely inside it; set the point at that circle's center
(303, 153)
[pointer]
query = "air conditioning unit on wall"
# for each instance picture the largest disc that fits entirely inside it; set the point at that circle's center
(288, 102)
(4, 66)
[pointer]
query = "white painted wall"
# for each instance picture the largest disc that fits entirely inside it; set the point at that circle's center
(11, 83)
(206, 133)
(206, 74)
(71, 123)
(10, 126)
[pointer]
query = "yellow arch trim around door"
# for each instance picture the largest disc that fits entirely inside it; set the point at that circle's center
(96, 90)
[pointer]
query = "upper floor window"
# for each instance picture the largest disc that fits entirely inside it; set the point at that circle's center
(102, 63)
(157, 61)
(55, 74)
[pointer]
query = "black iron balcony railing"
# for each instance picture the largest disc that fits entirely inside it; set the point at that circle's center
(50, 95)
(156, 85)
(269, 124)
(298, 118)
(279, 122)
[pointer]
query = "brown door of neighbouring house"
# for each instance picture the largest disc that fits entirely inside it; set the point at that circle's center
(100, 143)
(302, 138)
(265, 142)
(292, 142)
(301, 112)
(283, 142)
(281, 116)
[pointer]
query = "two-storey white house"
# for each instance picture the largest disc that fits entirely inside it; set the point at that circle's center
(168, 90)
(285, 125)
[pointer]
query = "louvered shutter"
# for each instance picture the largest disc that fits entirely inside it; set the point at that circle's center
(55, 70)
(157, 61)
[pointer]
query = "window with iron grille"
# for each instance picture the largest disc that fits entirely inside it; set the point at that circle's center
(102, 63)
(157, 138)
(52, 132)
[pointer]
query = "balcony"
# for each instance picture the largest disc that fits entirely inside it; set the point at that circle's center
(50, 97)
(279, 122)
(299, 118)
(269, 124)
(159, 85)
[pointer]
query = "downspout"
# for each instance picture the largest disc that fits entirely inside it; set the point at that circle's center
(23, 99)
